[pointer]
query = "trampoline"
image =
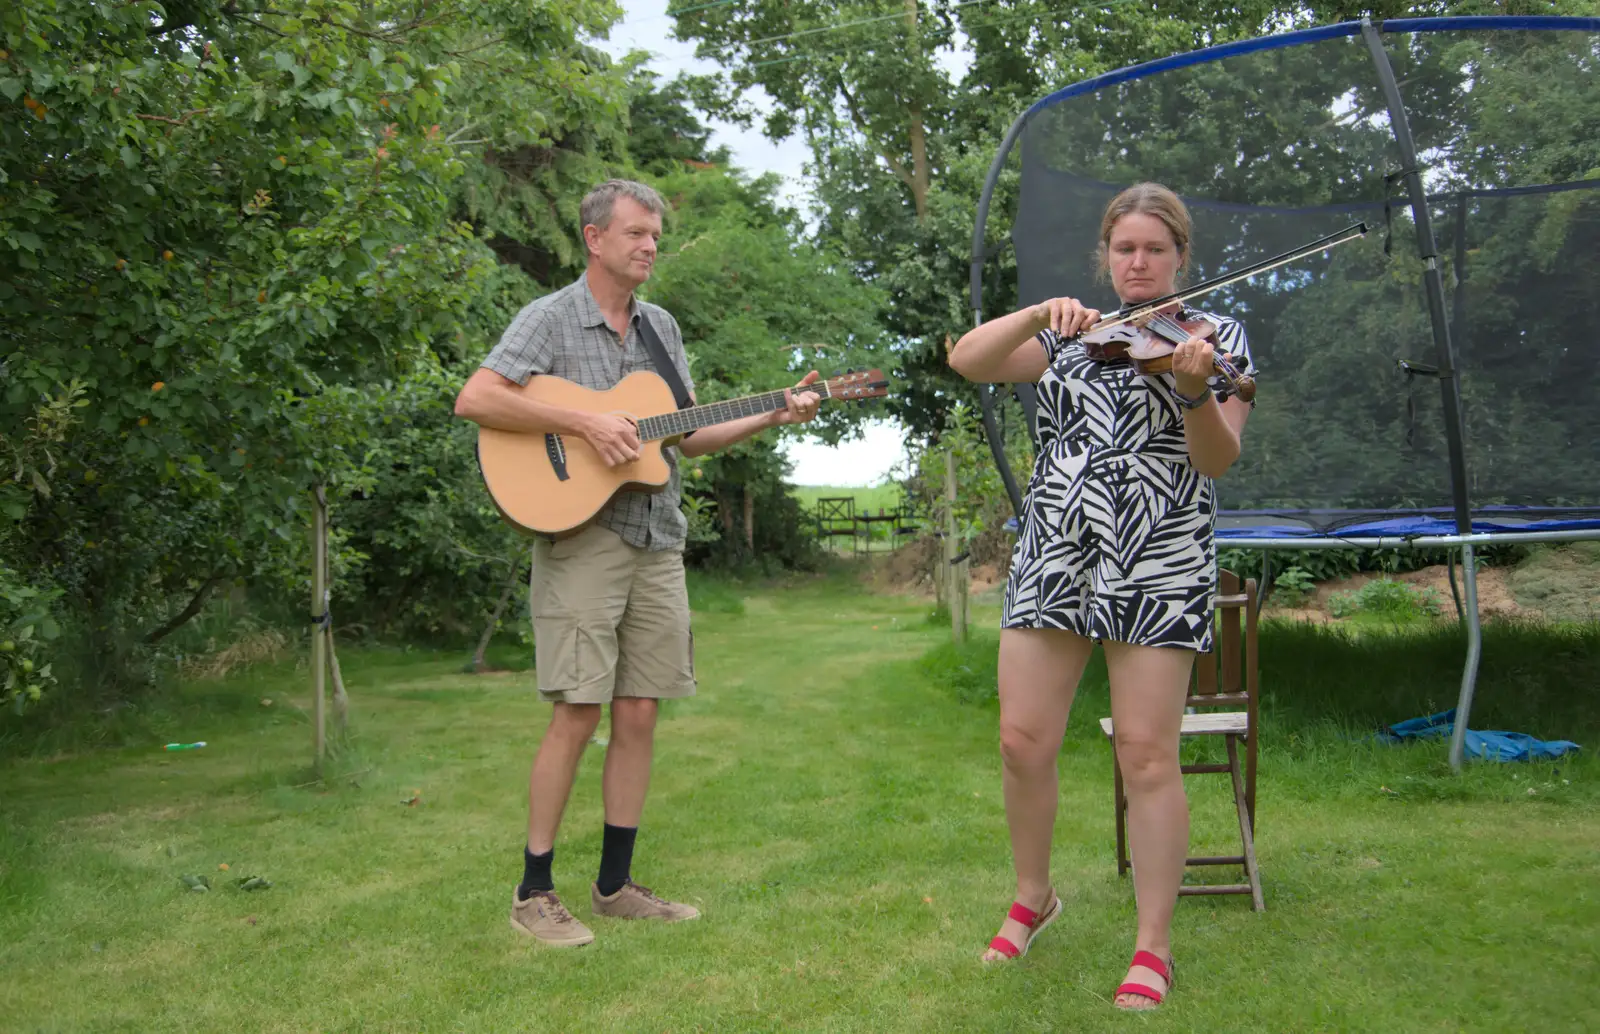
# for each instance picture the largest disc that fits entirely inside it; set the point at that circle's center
(1433, 384)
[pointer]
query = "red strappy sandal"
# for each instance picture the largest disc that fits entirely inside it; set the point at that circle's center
(1165, 970)
(1034, 921)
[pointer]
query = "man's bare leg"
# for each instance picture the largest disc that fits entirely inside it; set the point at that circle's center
(554, 768)
(628, 758)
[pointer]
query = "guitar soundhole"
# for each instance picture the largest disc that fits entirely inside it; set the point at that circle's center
(558, 455)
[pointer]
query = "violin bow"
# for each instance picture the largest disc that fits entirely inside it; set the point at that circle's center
(1349, 233)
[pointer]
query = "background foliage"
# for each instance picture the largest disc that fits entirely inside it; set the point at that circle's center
(249, 246)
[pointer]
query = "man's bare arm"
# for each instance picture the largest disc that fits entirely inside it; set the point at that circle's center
(490, 400)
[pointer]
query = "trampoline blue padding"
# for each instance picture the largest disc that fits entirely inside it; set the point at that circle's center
(1524, 521)
(1404, 527)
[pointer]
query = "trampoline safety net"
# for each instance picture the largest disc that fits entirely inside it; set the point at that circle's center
(1274, 147)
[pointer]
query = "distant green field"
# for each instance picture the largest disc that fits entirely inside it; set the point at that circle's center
(887, 496)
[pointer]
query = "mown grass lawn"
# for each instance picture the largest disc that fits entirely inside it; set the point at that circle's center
(831, 802)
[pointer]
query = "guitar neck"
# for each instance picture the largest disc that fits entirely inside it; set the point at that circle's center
(667, 425)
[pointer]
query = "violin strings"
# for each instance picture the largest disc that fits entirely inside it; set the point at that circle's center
(1170, 325)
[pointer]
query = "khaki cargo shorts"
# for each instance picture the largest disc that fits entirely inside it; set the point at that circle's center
(609, 620)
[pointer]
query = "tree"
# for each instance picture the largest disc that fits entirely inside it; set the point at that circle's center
(213, 213)
(901, 145)
(758, 307)
(423, 552)
(664, 133)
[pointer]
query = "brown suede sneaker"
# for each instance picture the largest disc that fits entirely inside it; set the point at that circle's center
(632, 901)
(544, 918)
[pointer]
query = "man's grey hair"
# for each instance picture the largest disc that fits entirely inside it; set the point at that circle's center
(599, 202)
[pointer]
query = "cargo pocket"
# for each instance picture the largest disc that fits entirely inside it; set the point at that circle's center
(555, 653)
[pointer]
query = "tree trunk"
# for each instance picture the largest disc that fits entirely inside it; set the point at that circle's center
(196, 603)
(919, 180)
(750, 520)
(494, 619)
(341, 702)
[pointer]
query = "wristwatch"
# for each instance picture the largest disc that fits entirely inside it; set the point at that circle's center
(1191, 403)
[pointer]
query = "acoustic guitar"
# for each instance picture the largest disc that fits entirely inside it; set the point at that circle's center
(555, 484)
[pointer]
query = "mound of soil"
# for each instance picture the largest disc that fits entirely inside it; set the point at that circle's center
(908, 571)
(1495, 599)
(1561, 581)
(1558, 582)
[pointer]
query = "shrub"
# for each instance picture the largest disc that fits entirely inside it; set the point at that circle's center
(1293, 587)
(25, 626)
(1385, 597)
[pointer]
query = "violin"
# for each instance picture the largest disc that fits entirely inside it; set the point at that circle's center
(1149, 337)
(1152, 342)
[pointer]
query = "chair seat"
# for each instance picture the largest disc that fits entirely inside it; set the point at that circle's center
(1214, 723)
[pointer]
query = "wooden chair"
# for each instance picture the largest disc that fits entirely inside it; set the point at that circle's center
(1225, 677)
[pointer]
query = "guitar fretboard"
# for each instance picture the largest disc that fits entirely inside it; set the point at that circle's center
(655, 428)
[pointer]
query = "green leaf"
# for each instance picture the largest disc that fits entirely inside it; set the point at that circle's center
(199, 884)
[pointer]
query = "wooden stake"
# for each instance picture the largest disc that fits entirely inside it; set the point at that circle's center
(341, 701)
(957, 594)
(319, 640)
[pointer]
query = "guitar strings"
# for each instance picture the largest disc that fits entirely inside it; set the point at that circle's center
(682, 421)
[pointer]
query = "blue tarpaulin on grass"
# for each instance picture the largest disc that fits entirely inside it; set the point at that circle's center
(1491, 746)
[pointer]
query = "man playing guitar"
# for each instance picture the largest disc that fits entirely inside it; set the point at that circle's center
(610, 605)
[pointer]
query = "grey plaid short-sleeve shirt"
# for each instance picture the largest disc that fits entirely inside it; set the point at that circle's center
(565, 335)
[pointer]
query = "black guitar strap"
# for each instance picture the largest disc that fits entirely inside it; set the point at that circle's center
(663, 362)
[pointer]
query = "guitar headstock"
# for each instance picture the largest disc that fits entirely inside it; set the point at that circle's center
(863, 384)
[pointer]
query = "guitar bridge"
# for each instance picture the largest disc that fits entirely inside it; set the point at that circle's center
(558, 455)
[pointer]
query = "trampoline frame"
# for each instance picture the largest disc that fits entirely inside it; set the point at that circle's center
(1465, 537)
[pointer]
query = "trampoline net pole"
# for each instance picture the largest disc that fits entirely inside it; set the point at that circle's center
(1469, 674)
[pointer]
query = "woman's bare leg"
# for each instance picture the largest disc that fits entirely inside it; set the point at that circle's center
(1039, 673)
(1148, 688)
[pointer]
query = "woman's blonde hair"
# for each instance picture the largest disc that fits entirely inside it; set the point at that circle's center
(1147, 199)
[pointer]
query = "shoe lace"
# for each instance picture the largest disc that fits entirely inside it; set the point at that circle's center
(555, 910)
(649, 894)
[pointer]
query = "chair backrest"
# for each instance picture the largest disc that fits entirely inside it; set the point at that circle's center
(1226, 677)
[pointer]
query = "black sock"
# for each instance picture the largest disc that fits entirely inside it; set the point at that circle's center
(616, 857)
(535, 873)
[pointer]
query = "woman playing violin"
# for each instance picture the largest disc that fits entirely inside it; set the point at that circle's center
(1115, 545)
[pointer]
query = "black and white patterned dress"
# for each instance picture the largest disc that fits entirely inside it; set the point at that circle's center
(1116, 535)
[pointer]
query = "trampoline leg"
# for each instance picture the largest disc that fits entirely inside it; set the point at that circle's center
(1469, 677)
